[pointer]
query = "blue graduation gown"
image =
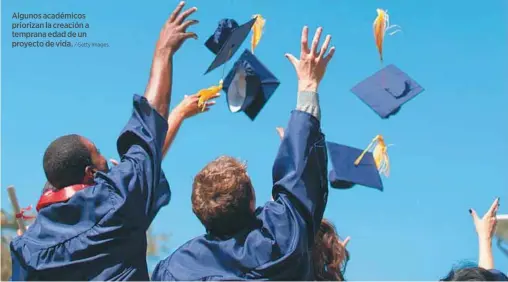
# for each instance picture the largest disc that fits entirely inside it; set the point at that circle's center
(100, 232)
(499, 276)
(277, 245)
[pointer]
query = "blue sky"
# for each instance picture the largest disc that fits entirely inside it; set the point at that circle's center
(450, 142)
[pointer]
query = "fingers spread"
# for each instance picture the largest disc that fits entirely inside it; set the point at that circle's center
(315, 41)
(176, 12)
(305, 40)
(325, 46)
(185, 14)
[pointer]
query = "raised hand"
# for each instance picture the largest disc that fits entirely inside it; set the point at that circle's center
(189, 106)
(311, 66)
(485, 228)
(174, 32)
(486, 225)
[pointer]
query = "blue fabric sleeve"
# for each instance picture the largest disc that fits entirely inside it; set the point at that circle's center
(18, 273)
(499, 275)
(300, 169)
(138, 179)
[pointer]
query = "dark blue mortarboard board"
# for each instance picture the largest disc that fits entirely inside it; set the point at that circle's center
(226, 40)
(387, 90)
(249, 85)
(345, 174)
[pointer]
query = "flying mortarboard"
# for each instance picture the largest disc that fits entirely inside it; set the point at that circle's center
(226, 40)
(387, 90)
(352, 166)
(249, 85)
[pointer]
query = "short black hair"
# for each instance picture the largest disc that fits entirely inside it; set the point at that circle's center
(65, 161)
(470, 274)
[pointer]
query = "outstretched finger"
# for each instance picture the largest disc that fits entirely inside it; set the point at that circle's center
(344, 243)
(474, 215)
(305, 40)
(325, 46)
(315, 41)
(329, 56)
(175, 13)
(188, 35)
(185, 14)
(292, 59)
(188, 23)
(280, 131)
(493, 208)
(214, 96)
(113, 161)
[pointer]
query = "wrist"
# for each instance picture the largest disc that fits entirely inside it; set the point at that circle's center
(308, 86)
(162, 55)
(485, 240)
(179, 114)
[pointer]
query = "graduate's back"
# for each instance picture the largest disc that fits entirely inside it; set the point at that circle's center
(97, 230)
(273, 242)
(92, 222)
(83, 239)
(274, 247)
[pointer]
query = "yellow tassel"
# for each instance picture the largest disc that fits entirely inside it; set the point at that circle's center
(208, 93)
(379, 153)
(257, 30)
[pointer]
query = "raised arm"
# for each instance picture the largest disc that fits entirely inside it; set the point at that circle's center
(485, 227)
(186, 109)
(172, 35)
(300, 168)
(138, 179)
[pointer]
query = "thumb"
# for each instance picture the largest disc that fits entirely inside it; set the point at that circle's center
(113, 161)
(474, 215)
(292, 59)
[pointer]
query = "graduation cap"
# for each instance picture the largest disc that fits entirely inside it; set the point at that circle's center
(249, 85)
(352, 166)
(387, 90)
(226, 40)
